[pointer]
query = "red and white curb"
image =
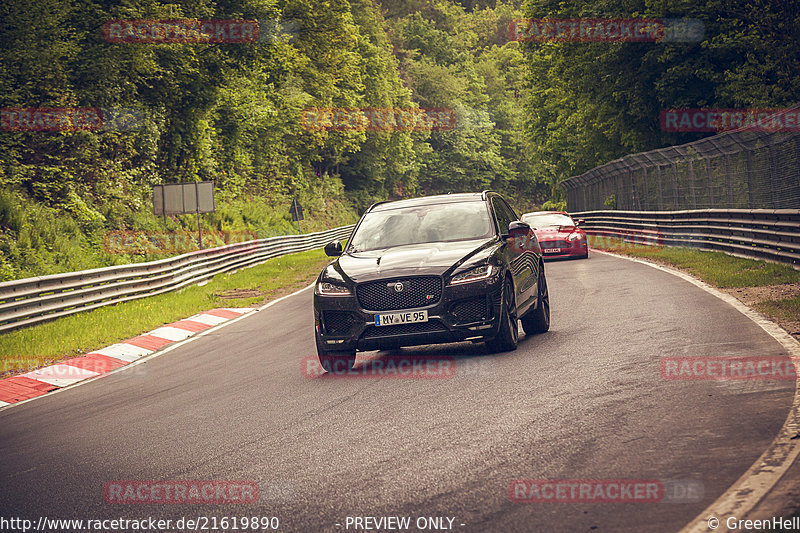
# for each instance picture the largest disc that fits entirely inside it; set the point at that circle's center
(43, 380)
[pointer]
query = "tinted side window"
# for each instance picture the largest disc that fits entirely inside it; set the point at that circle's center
(504, 214)
(511, 212)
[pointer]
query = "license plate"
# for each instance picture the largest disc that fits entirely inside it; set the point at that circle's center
(552, 250)
(392, 319)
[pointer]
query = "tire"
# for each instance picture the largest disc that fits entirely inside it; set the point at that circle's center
(336, 362)
(538, 320)
(508, 334)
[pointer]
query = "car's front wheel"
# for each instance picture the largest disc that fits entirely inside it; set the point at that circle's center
(335, 362)
(508, 334)
(538, 320)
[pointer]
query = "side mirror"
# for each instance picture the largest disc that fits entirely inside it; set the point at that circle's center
(580, 222)
(518, 227)
(333, 249)
(521, 238)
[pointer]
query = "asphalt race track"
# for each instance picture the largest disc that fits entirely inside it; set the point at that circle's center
(583, 401)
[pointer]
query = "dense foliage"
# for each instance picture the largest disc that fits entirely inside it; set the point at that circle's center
(528, 115)
(590, 103)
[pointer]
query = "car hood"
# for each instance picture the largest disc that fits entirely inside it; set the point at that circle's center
(550, 233)
(411, 260)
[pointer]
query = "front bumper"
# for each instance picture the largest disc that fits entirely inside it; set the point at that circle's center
(575, 248)
(467, 311)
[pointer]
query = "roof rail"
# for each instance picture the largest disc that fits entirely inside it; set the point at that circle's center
(377, 204)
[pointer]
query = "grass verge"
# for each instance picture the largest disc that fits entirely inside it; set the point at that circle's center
(716, 268)
(44, 344)
(784, 309)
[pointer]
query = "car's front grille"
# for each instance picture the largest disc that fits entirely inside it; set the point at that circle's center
(403, 329)
(337, 322)
(472, 310)
(383, 295)
(555, 244)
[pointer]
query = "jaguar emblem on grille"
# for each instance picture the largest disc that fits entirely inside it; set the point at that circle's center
(398, 287)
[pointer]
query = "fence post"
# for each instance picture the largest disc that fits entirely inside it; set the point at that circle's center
(710, 182)
(730, 182)
(675, 186)
(660, 193)
(583, 194)
(635, 201)
(773, 176)
(749, 172)
(691, 184)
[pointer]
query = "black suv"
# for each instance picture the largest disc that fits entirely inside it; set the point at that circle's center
(431, 270)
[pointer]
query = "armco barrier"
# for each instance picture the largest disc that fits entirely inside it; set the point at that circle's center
(772, 234)
(30, 301)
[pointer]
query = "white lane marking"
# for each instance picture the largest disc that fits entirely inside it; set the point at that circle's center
(60, 375)
(756, 482)
(171, 334)
(124, 351)
(239, 310)
(150, 355)
(211, 320)
(3, 404)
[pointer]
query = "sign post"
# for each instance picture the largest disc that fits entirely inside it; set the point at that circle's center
(296, 210)
(184, 198)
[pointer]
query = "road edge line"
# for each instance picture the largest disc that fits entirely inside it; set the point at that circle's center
(754, 485)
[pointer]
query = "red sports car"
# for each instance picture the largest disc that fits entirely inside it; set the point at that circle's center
(558, 234)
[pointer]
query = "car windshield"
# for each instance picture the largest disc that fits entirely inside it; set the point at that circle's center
(548, 219)
(422, 224)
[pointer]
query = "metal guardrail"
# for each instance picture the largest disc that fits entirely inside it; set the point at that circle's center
(30, 301)
(772, 234)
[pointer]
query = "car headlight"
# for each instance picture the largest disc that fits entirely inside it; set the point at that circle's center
(575, 236)
(473, 274)
(325, 288)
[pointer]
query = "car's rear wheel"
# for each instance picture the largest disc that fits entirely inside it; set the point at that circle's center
(538, 320)
(508, 334)
(335, 362)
